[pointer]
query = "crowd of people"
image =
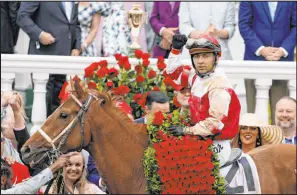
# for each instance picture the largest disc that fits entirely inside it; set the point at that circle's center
(101, 29)
(69, 28)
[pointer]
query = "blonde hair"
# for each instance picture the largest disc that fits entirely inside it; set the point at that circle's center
(82, 181)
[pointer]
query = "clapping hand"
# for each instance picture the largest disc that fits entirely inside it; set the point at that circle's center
(168, 33)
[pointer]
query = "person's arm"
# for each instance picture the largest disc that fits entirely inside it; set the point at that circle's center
(245, 23)
(24, 20)
(93, 32)
(290, 42)
(32, 185)
(77, 42)
(229, 24)
(93, 175)
(13, 11)
(155, 19)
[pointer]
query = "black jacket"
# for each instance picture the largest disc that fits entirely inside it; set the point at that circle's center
(9, 28)
(37, 16)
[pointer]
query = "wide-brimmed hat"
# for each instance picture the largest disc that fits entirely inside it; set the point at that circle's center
(270, 134)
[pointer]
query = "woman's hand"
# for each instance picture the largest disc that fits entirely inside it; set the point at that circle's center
(11, 160)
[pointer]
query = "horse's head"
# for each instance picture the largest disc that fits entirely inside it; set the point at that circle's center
(67, 129)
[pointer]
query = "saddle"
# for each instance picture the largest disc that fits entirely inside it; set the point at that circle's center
(234, 156)
(241, 175)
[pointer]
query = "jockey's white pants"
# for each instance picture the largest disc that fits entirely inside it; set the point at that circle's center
(223, 149)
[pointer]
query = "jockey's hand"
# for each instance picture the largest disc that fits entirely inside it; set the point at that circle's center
(176, 130)
(178, 41)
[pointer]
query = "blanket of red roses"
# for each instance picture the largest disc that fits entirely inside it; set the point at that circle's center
(185, 165)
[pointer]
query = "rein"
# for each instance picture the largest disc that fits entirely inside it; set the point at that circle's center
(66, 131)
(58, 182)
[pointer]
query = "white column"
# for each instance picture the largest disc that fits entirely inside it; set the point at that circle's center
(239, 88)
(39, 102)
(292, 88)
(262, 97)
(22, 82)
(6, 81)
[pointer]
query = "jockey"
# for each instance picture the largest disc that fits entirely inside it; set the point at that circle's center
(214, 106)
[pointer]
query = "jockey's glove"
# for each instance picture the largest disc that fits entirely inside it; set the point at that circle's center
(178, 41)
(176, 130)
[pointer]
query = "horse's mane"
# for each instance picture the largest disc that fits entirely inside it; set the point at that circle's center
(136, 130)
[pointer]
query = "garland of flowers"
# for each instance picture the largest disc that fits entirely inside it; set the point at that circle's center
(179, 165)
(131, 83)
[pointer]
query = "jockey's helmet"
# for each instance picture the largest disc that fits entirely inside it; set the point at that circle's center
(204, 44)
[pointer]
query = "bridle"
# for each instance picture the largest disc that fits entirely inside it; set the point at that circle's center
(66, 131)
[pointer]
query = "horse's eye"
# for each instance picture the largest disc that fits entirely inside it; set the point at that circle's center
(63, 115)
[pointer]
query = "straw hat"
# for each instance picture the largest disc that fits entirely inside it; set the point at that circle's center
(270, 134)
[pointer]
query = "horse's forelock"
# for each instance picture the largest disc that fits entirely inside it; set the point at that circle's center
(101, 95)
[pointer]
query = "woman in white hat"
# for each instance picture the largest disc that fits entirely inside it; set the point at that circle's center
(253, 133)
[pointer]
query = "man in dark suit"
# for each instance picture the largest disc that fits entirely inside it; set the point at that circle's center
(269, 33)
(164, 21)
(53, 29)
(9, 28)
(155, 101)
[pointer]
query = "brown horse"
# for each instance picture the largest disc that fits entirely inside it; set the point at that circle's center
(117, 145)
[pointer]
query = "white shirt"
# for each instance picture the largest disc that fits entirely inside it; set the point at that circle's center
(68, 9)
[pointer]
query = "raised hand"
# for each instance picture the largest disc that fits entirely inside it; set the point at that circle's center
(178, 41)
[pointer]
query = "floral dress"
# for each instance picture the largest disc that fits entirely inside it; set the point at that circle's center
(85, 16)
(116, 31)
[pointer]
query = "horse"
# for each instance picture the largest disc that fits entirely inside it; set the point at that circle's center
(89, 120)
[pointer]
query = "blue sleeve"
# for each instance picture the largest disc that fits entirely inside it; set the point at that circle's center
(290, 42)
(93, 175)
(245, 23)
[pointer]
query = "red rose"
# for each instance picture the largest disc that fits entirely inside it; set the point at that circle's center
(145, 63)
(102, 72)
(118, 56)
(121, 90)
(142, 102)
(160, 59)
(138, 69)
(122, 61)
(158, 118)
(127, 66)
(89, 71)
(167, 81)
(156, 88)
(151, 74)
(113, 72)
(140, 79)
(137, 96)
(138, 53)
(146, 56)
(109, 84)
(103, 63)
(62, 92)
(161, 66)
(92, 85)
(175, 102)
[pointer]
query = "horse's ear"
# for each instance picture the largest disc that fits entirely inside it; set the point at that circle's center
(79, 90)
(71, 84)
